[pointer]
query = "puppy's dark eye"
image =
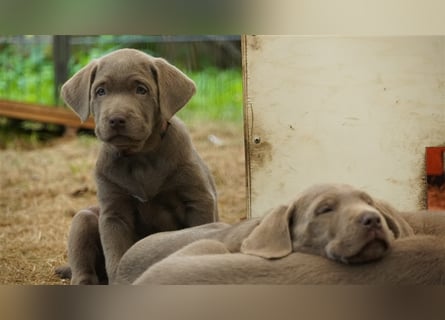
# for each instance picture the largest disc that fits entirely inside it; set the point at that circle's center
(141, 90)
(100, 91)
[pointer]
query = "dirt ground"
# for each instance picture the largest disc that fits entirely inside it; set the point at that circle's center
(41, 190)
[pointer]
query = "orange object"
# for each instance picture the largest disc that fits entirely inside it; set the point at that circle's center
(434, 161)
(435, 177)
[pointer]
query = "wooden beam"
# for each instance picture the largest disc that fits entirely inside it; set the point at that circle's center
(45, 114)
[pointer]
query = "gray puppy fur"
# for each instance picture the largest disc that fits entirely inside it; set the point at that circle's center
(416, 259)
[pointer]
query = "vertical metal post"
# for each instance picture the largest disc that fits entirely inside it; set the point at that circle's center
(61, 54)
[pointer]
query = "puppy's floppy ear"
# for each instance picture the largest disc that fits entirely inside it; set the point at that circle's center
(77, 90)
(398, 225)
(271, 238)
(174, 87)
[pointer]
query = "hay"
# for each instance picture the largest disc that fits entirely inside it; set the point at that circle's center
(42, 189)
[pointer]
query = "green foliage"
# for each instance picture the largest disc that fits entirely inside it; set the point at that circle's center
(26, 74)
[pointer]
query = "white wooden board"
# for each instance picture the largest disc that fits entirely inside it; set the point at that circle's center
(341, 109)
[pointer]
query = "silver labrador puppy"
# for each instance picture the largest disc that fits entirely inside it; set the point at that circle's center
(335, 221)
(415, 259)
(149, 176)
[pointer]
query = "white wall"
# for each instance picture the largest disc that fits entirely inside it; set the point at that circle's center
(339, 109)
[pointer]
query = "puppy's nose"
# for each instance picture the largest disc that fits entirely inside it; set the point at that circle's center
(370, 219)
(116, 122)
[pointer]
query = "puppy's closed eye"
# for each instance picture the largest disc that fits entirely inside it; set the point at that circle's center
(324, 208)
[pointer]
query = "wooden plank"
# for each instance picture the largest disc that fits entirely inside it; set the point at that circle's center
(40, 113)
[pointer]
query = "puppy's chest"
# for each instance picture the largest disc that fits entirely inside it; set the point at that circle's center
(142, 178)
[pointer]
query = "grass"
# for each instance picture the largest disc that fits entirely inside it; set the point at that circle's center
(17, 134)
(219, 96)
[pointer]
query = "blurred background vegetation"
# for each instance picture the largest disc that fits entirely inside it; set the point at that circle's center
(32, 69)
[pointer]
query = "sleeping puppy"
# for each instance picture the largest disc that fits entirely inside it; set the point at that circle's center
(334, 221)
(149, 176)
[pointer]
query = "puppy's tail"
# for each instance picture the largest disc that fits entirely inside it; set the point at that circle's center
(63, 272)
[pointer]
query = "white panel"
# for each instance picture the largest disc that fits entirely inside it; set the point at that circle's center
(336, 109)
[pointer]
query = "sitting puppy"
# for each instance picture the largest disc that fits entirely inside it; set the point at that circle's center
(149, 176)
(334, 221)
